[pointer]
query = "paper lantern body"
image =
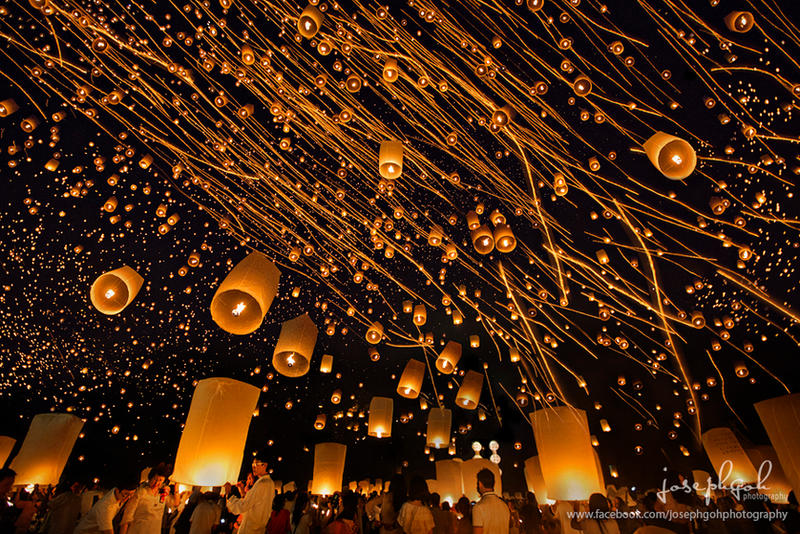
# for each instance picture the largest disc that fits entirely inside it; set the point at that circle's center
(672, 156)
(328, 468)
(469, 477)
(448, 359)
(701, 480)
(390, 159)
(46, 449)
(439, 422)
(469, 394)
(781, 419)
(292, 356)
(245, 295)
(775, 485)
(729, 459)
(534, 479)
(113, 291)
(380, 417)
(6, 446)
(326, 365)
(599, 465)
(449, 481)
(310, 22)
(410, 382)
(212, 444)
(565, 453)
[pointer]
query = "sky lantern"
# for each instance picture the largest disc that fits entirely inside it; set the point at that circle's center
(326, 365)
(320, 421)
(113, 291)
(212, 443)
(439, 424)
(328, 468)
(781, 419)
(390, 71)
(566, 455)
(482, 239)
(449, 357)
(375, 333)
(535, 480)
(390, 159)
(739, 21)
(469, 394)
(310, 22)
(776, 485)
(46, 449)
(449, 481)
(6, 446)
(672, 156)
(245, 295)
(410, 382)
(380, 417)
(295, 346)
(723, 447)
(420, 315)
(504, 239)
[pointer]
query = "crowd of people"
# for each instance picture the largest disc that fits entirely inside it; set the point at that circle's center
(253, 506)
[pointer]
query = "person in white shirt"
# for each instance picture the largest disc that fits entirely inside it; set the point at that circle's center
(415, 517)
(206, 515)
(144, 512)
(99, 519)
(490, 515)
(256, 504)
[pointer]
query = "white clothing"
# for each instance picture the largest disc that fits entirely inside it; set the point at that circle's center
(564, 513)
(88, 499)
(144, 511)
(415, 518)
(256, 506)
(101, 515)
(204, 517)
(491, 513)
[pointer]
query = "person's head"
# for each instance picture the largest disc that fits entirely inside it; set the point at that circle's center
(260, 464)
(417, 489)
(349, 506)
(485, 481)
(598, 503)
(434, 500)
(464, 508)
(277, 502)
(7, 477)
(157, 476)
(445, 506)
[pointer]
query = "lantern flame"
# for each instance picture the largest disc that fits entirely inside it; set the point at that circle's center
(237, 311)
(110, 293)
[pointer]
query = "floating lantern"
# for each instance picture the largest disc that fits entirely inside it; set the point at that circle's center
(113, 291)
(336, 396)
(410, 382)
(420, 314)
(582, 86)
(310, 22)
(29, 124)
(435, 235)
(741, 370)
(739, 21)
(474, 341)
(390, 159)
(602, 256)
(775, 486)
(248, 57)
(565, 453)
(504, 239)
(469, 394)
(672, 156)
(326, 365)
(534, 479)
(513, 354)
(482, 240)
(328, 468)
(439, 424)
(722, 447)
(6, 446)
(781, 419)
(375, 333)
(390, 71)
(448, 358)
(295, 346)
(46, 449)
(212, 444)
(473, 221)
(319, 423)
(605, 426)
(8, 107)
(469, 477)
(449, 481)
(503, 116)
(380, 417)
(245, 295)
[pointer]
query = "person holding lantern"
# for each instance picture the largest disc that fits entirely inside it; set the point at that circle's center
(255, 504)
(144, 511)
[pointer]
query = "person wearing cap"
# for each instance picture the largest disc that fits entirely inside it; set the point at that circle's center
(255, 505)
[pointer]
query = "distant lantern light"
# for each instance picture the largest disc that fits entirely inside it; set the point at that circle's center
(672, 156)
(320, 422)
(380, 417)
(310, 22)
(113, 291)
(410, 382)
(295, 346)
(245, 295)
(375, 333)
(390, 159)
(469, 394)
(449, 357)
(326, 365)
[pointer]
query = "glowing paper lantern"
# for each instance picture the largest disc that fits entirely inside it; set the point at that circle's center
(504, 238)
(6, 446)
(469, 477)
(319, 423)
(7, 107)
(420, 314)
(212, 444)
(328, 468)
(390, 70)
(729, 459)
(46, 448)
(375, 333)
(448, 480)
(672, 156)
(326, 365)
(469, 394)
(439, 423)
(535, 480)
(245, 295)
(448, 358)
(310, 22)
(739, 21)
(295, 346)
(599, 466)
(482, 239)
(390, 159)
(565, 453)
(781, 419)
(775, 484)
(410, 382)
(113, 291)
(380, 417)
